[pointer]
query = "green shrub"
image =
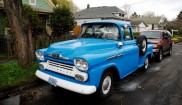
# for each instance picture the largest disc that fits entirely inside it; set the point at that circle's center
(136, 34)
(62, 20)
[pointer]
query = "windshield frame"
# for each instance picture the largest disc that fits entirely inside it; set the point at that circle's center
(119, 35)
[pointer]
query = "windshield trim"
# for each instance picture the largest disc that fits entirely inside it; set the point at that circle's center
(119, 35)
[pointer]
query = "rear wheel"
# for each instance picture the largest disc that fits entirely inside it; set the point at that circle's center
(159, 55)
(105, 86)
(146, 64)
(170, 51)
(142, 43)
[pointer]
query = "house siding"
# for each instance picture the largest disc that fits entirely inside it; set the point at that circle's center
(134, 28)
(39, 3)
(142, 27)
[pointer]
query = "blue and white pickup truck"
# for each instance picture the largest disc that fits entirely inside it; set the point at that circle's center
(103, 52)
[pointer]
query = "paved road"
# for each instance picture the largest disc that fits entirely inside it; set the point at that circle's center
(160, 85)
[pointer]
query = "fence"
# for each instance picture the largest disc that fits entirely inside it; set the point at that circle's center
(7, 45)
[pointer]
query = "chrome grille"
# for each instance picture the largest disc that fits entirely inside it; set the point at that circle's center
(60, 65)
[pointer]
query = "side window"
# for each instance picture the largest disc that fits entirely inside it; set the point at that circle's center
(165, 35)
(127, 35)
(169, 34)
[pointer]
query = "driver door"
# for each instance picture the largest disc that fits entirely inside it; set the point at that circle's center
(130, 52)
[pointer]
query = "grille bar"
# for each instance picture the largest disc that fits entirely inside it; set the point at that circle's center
(60, 65)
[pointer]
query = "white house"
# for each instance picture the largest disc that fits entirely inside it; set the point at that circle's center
(139, 26)
(153, 22)
(99, 13)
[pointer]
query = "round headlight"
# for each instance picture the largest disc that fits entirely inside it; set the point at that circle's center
(78, 63)
(85, 65)
(40, 56)
(81, 64)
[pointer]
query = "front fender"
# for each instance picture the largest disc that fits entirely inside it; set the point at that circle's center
(96, 73)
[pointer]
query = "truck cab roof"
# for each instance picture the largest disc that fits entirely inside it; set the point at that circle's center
(117, 22)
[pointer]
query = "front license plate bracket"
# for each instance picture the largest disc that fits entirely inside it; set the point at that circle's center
(52, 81)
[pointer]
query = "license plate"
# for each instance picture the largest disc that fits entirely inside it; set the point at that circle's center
(52, 81)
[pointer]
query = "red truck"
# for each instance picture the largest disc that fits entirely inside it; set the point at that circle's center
(162, 42)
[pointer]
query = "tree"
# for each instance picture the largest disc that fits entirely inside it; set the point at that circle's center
(67, 3)
(134, 15)
(21, 30)
(176, 24)
(149, 14)
(179, 17)
(62, 20)
(127, 10)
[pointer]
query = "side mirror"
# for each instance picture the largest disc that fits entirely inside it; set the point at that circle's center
(127, 38)
(165, 37)
(120, 44)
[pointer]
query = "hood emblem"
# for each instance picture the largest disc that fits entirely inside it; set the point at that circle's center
(58, 56)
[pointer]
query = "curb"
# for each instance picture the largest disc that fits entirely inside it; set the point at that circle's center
(177, 42)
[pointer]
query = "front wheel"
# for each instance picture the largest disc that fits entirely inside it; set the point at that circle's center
(105, 86)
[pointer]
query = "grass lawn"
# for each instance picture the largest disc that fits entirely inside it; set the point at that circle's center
(177, 38)
(13, 75)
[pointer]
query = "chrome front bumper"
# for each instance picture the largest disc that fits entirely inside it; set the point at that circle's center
(78, 88)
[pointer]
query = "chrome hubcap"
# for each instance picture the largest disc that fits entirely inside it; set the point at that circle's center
(160, 55)
(146, 63)
(106, 85)
(170, 51)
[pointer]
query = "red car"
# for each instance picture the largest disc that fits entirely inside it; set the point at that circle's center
(162, 42)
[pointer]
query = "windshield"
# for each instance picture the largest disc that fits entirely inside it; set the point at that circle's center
(151, 34)
(103, 31)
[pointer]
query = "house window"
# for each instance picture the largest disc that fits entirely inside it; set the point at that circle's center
(32, 2)
(123, 15)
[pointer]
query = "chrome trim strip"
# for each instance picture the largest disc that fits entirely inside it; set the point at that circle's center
(115, 56)
(111, 57)
(118, 55)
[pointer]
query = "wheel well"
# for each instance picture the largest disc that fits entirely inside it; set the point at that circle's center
(114, 71)
(160, 47)
(150, 57)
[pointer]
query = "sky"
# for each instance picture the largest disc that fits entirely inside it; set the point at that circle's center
(168, 8)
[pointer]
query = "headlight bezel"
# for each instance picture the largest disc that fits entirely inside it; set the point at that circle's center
(40, 55)
(83, 64)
